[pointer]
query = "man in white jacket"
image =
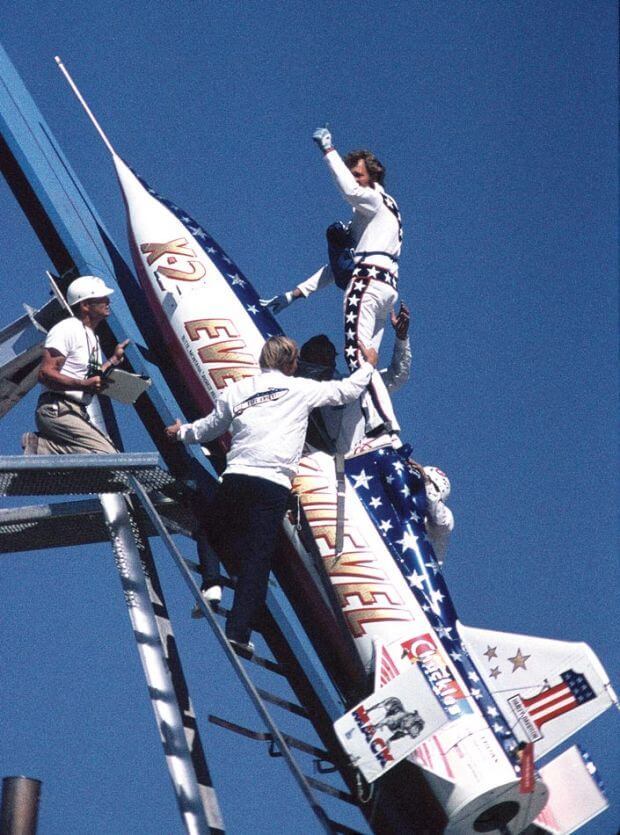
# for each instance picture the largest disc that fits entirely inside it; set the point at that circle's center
(371, 286)
(267, 416)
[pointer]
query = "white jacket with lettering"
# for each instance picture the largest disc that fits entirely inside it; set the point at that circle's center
(268, 416)
(375, 227)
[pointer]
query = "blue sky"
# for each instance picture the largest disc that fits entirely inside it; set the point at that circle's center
(497, 124)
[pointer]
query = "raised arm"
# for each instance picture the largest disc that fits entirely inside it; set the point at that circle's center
(365, 199)
(399, 369)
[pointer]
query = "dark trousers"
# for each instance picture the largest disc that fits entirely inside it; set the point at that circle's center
(243, 522)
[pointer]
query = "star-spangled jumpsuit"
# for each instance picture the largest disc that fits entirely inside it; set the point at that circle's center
(376, 230)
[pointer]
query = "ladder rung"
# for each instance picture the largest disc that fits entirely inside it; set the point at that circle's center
(260, 736)
(327, 788)
(343, 829)
(292, 707)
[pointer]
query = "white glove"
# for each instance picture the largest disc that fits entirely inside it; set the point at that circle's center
(278, 303)
(323, 139)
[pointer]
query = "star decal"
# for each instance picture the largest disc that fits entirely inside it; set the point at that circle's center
(495, 672)
(359, 285)
(350, 334)
(476, 693)
(211, 250)
(518, 660)
(353, 301)
(236, 279)
(350, 317)
(455, 656)
(416, 580)
(362, 480)
(491, 652)
(406, 491)
(375, 502)
(409, 541)
(493, 712)
(385, 526)
(252, 309)
(473, 676)
(443, 631)
(350, 351)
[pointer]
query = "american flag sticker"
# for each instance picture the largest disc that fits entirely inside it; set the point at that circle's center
(532, 713)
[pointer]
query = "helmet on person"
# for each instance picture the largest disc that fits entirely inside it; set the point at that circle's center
(440, 482)
(87, 287)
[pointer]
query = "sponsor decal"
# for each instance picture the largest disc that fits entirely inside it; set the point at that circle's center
(390, 723)
(259, 398)
(423, 651)
(533, 712)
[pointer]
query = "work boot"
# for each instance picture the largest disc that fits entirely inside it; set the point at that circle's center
(30, 443)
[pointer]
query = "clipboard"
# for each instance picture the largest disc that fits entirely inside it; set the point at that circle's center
(124, 386)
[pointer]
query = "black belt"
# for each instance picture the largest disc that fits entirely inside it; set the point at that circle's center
(55, 396)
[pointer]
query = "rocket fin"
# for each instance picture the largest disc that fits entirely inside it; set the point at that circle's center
(575, 793)
(547, 689)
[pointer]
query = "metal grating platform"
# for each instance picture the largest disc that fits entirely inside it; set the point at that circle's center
(65, 475)
(78, 522)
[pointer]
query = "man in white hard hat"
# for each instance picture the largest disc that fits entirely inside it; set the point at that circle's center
(71, 375)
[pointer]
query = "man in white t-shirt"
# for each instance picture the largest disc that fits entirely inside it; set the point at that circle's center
(71, 375)
(267, 416)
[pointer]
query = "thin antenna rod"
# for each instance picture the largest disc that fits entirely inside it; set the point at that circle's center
(81, 100)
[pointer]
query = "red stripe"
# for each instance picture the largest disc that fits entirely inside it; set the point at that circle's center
(570, 706)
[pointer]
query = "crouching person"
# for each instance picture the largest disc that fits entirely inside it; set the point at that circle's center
(71, 375)
(267, 416)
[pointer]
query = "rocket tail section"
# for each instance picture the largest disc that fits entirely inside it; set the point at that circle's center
(546, 689)
(576, 793)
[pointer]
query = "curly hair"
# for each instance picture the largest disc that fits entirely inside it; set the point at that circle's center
(376, 169)
(278, 352)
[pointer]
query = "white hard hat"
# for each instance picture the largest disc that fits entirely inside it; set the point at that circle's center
(440, 482)
(87, 287)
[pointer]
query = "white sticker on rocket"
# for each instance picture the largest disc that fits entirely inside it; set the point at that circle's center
(389, 724)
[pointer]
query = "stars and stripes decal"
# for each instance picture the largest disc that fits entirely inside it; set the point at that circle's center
(392, 491)
(573, 690)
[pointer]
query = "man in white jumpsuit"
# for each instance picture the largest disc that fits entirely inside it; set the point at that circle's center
(267, 416)
(370, 294)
